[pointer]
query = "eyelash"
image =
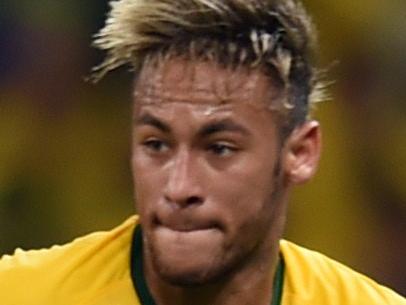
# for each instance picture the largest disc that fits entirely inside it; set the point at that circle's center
(155, 145)
(220, 148)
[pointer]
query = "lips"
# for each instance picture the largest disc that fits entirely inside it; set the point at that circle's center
(185, 225)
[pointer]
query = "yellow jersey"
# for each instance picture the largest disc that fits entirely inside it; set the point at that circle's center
(105, 268)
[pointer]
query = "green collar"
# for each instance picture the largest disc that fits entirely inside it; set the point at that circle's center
(140, 285)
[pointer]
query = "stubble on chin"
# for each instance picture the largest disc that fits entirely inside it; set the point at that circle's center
(216, 269)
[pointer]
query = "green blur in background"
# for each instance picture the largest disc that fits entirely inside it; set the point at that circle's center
(65, 144)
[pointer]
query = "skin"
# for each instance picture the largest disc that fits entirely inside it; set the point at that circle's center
(212, 179)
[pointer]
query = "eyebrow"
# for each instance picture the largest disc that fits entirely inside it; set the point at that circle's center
(225, 125)
(222, 126)
(148, 119)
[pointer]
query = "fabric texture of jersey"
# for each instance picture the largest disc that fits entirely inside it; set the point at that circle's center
(95, 270)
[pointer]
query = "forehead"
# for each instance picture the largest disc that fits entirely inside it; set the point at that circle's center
(202, 82)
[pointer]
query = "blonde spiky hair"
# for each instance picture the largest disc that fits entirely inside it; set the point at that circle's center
(277, 35)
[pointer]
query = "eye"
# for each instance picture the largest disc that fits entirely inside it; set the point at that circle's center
(156, 145)
(222, 149)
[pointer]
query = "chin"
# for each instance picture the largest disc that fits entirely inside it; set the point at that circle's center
(190, 277)
(189, 272)
(187, 258)
(193, 258)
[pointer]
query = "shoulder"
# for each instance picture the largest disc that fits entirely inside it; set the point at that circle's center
(93, 261)
(313, 278)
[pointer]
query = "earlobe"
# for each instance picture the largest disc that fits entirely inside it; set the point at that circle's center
(302, 152)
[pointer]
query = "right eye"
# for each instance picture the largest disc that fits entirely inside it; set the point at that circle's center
(156, 145)
(222, 149)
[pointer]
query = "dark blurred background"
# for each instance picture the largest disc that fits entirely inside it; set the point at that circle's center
(64, 143)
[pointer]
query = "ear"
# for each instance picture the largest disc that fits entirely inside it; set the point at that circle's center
(302, 152)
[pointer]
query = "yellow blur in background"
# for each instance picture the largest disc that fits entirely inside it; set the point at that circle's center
(65, 144)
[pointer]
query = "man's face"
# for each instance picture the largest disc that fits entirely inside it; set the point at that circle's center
(206, 169)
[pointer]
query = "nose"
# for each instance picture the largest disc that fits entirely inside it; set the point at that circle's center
(183, 187)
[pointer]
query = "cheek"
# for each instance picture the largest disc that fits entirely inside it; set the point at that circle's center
(245, 194)
(247, 209)
(146, 183)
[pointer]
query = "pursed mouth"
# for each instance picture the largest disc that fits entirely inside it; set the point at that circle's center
(186, 227)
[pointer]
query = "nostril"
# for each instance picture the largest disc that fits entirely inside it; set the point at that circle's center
(194, 200)
(185, 201)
